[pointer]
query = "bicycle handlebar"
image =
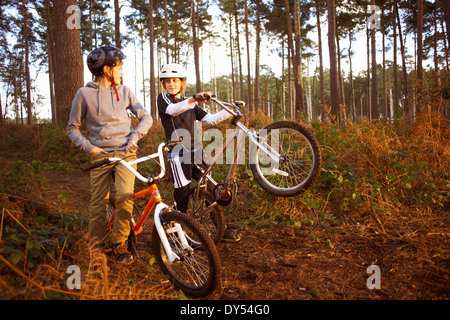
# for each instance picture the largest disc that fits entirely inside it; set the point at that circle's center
(90, 166)
(128, 164)
(226, 106)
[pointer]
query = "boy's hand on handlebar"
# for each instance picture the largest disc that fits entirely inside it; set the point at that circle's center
(202, 96)
(96, 150)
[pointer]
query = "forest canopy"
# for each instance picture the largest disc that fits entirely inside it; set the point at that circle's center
(403, 46)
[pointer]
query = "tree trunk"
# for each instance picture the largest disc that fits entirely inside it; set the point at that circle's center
(395, 102)
(196, 47)
(290, 54)
(1, 110)
(238, 47)
(385, 105)
(342, 107)
(90, 27)
(117, 39)
(321, 81)
(446, 8)
(352, 91)
(27, 62)
(152, 63)
(50, 50)
(249, 78)
(334, 88)
(258, 45)
(166, 30)
(368, 100)
(419, 49)
(69, 61)
(405, 78)
(299, 101)
(144, 89)
(374, 93)
(233, 82)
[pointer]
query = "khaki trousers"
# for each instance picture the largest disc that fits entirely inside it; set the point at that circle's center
(100, 180)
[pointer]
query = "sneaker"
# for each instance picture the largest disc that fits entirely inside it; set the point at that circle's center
(230, 235)
(123, 256)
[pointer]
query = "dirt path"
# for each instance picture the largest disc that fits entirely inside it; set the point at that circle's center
(279, 262)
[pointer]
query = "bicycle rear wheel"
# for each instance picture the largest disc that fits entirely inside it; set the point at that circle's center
(300, 159)
(214, 221)
(197, 272)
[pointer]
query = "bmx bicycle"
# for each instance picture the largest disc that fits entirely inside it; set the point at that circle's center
(285, 160)
(182, 247)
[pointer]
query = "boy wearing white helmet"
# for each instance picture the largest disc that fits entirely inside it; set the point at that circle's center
(104, 104)
(178, 116)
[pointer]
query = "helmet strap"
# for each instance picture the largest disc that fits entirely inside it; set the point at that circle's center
(111, 79)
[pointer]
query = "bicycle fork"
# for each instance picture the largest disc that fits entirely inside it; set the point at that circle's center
(176, 228)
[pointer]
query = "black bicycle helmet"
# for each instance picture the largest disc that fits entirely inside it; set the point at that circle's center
(104, 56)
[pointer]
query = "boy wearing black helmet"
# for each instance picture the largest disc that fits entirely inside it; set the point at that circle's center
(178, 116)
(104, 104)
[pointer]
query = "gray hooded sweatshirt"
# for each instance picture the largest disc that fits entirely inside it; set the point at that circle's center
(107, 119)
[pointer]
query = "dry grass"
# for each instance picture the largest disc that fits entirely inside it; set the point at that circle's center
(382, 198)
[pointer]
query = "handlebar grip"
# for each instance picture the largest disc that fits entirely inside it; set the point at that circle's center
(199, 97)
(94, 165)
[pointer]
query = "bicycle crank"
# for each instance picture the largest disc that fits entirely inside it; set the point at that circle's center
(222, 196)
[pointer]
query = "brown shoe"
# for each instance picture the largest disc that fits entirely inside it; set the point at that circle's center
(123, 256)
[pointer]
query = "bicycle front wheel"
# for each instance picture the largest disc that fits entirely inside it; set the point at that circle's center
(197, 272)
(299, 159)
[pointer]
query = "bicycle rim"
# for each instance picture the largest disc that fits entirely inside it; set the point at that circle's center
(299, 160)
(197, 271)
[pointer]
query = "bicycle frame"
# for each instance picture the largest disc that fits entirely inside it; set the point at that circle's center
(240, 130)
(155, 201)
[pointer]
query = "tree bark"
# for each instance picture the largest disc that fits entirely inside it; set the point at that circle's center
(257, 53)
(299, 101)
(374, 87)
(152, 63)
(69, 61)
(166, 31)
(196, 47)
(238, 48)
(385, 105)
(334, 88)
(27, 62)
(395, 102)
(419, 49)
(321, 81)
(249, 78)
(50, 50)
(405, 78)
(117, 38)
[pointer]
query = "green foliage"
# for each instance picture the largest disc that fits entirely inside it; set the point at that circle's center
(38, 235)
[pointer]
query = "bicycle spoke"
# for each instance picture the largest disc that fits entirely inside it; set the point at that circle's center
(193, 267)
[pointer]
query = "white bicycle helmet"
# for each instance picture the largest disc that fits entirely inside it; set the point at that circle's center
(172, 70)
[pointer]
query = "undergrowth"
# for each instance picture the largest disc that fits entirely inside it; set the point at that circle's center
(376, 177)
